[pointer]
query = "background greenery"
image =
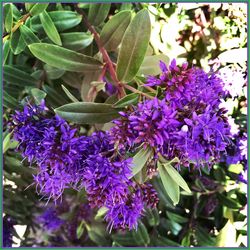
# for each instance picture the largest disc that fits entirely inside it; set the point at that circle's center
(197, 33)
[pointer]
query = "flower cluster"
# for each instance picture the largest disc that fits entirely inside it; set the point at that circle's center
(187, 122)
(68, 160)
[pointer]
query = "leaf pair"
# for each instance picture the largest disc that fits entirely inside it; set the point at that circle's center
(172, 181)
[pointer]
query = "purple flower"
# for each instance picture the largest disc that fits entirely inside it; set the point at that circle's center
(152, 122)
(104, 179)
(50, 220)
(126, 212)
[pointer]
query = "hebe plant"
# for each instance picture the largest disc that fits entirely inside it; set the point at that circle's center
(124, 147)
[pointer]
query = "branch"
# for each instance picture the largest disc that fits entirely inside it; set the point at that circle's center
(17, 25)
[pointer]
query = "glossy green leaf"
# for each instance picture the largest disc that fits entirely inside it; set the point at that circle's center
(50, 28)
(18, 77)
(97, 234)
(140, 235)
(7, 142)
(171, 187)
(16, 13)
(38, 95)
(28, 6)
(76, 40)
(80, 230)
(127, 100)
(17, 44)
(38, 8)
(87, 113)
(150, 65)
(176, 217)
(140, 159)
(62, 58)
(203, 237)
(113, 31)
(54, 96)
(72, 79)
(8, 16)
(153, 217)
(63, 20)
(101, 212)
(176, 176)
(134, 46)
(9, 101)
(98, 12)
(228, 202)
(6, 50)
(70, 96)
(52, 72)
(161, 241)
(28, 35)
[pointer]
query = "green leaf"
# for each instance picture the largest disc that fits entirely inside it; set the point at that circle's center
(150, 65)
(176, 217)
(80, 230)
(140, 159)
(52, 72)
(9, 101)
(113, 31)
(70, 96)
(176, 176)
(62, 58)
(97, 234)
(98, 13)
(134, 46)
(127, 100)
(7, 142)
(8, 16)
(55, 97)
(6, 50)
(76, 40)
(28, 6)
(50, 28)
(227, 236)
(161, 241)
(228, 202)
(203, 237)
(87, 113)
(28, 35)
(101, 212)
(38, 95)
(17, 44)
(72, 79)
(140, 235)
(38, 8)
(152, 216)
(17, 77)
(171, 187)
(63, 20)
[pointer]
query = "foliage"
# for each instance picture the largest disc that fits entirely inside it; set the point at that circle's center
(90, 61)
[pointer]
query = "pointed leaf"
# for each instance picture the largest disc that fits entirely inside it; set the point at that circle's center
(127, 100)
(98, 13)
(140, 235)
(17, 44)
(28, 35)
(9, 101)
(70, 96)
(76, 40)
(17, 77)
(63, 20)
(38, 8)
(134, 46)
(50, 28)
(87, 112)
(7, 142)
(176, 177)
(8, 16)
(113, 31)
(52, 72)
(140, 159)
(6, 50)
(63, 58)
(38, 95)
(171, 187)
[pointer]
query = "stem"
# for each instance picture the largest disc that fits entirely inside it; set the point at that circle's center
(16, 26)
(137, 91)
(103, 51)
